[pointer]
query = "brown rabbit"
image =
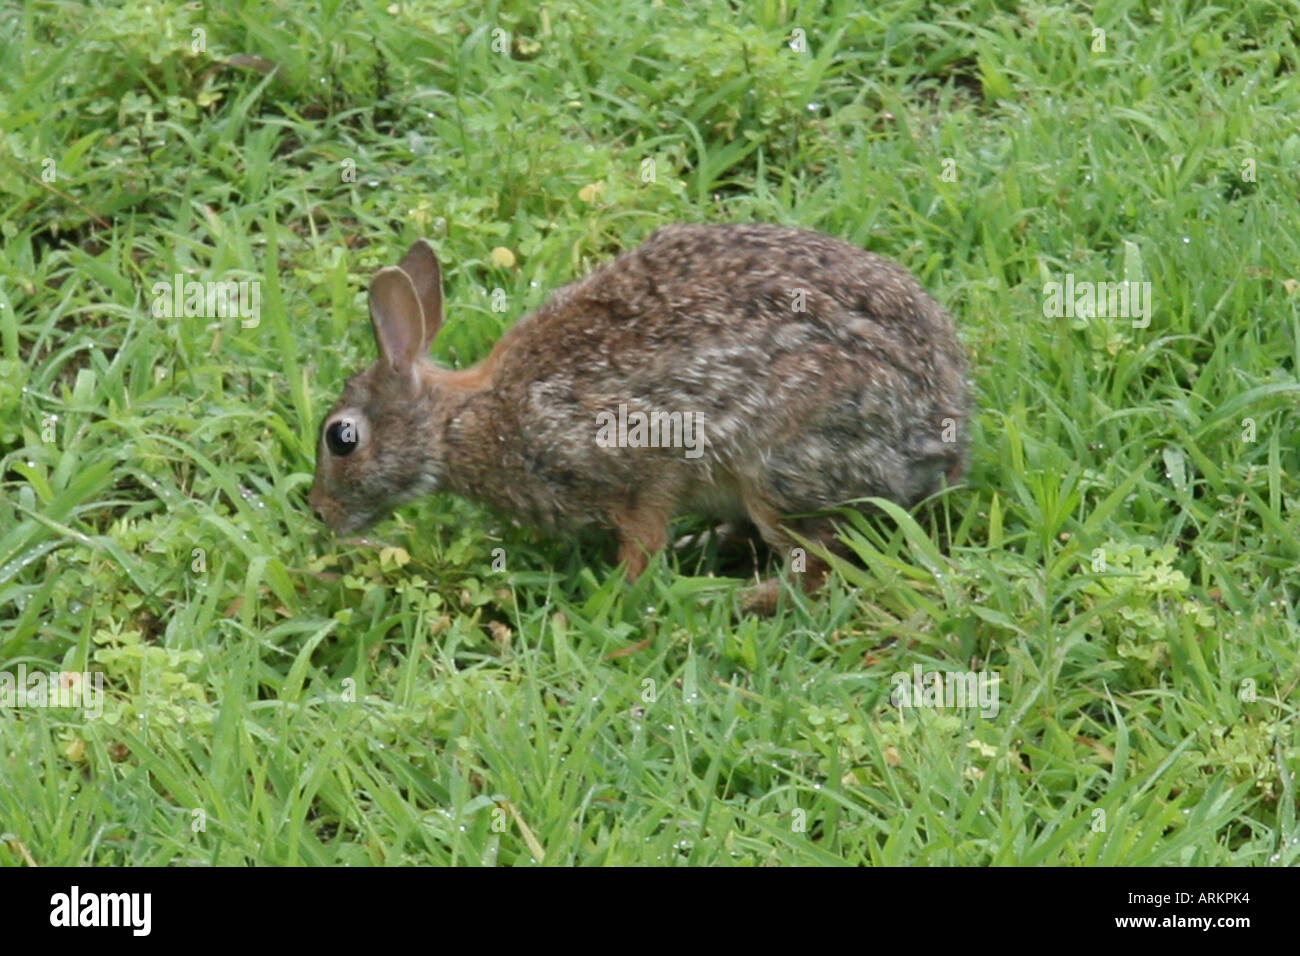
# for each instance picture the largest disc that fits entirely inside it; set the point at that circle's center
(786, 371)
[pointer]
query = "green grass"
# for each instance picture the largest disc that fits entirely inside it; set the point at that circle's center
(1123, 554)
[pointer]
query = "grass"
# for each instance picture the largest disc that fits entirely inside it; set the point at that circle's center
(1122, 555)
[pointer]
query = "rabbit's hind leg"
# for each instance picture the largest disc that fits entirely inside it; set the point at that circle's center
(642, 528)
(812, 570)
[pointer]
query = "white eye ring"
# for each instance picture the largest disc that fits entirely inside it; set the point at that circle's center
(345, 432)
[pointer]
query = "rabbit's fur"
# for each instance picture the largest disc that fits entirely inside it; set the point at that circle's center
(818, 373)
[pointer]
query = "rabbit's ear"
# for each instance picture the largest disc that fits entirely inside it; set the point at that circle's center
(421, 265)
(398, 319)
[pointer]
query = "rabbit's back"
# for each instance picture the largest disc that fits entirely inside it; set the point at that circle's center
(818, 372)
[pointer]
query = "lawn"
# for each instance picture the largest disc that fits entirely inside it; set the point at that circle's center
(1122, 556)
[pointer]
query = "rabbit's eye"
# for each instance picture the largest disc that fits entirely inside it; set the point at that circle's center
(341, 437)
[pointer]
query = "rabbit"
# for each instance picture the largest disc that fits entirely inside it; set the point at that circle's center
(813, 372)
